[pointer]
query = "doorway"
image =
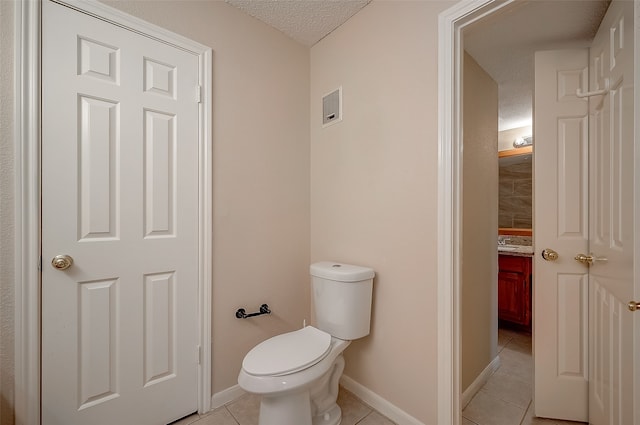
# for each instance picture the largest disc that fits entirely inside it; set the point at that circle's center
(453, 23)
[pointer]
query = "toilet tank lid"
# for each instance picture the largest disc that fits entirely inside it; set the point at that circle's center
(341, 272)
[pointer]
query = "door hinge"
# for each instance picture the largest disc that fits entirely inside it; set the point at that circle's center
(199, 349)
(199, 94)
(40, 263)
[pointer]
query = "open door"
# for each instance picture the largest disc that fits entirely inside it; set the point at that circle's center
(584, 209)
(560, 293)
(610, 259)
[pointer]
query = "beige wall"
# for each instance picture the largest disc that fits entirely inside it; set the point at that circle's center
(6, 213)
(479, 296)
(374, 188)
(261, 177)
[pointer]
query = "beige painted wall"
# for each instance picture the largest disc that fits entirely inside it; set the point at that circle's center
(6, 213)
(261, 177)
(479, 296)
(374, 188)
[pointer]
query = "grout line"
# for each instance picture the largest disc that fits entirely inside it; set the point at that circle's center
(364, 417)
(525, 412)
(464, 417)
(231, 414)
(236, 420)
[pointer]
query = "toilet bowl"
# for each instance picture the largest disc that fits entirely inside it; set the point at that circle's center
(298, 373)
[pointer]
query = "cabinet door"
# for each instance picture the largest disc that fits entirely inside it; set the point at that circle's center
(511, 305)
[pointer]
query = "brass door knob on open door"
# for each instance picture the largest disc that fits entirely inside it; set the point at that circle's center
(633, 305)
(588, 259)
(62, 262)
(549, 254)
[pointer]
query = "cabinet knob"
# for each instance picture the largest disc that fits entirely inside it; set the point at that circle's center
(549, 254)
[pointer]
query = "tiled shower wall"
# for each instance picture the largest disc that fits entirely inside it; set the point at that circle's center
(514, 204)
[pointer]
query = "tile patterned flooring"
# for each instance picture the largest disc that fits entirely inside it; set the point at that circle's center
(504, 400)
(244, 411)
(506, 397)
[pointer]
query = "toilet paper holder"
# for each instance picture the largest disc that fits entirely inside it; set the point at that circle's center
(241, 313)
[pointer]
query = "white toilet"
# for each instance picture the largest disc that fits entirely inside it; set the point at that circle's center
(297, 373)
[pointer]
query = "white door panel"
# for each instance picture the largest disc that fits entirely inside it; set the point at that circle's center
(119, 195)
(609, 281)
(611, 210)
(561, 223)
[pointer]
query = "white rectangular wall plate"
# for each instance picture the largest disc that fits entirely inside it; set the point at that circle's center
(332, 107)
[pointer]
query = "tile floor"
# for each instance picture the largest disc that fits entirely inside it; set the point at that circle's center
(506, 397)
(504, 400)
(244, 411)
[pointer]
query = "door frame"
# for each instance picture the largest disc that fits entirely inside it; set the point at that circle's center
(451, 22)
(28, 263)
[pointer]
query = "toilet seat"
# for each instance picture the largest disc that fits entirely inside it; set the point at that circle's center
(288, 353)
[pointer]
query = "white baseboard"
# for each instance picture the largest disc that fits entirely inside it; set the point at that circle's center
(223, 397)
(479, 382)
(383, 406)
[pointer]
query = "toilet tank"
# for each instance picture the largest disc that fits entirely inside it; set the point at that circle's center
(342, 298)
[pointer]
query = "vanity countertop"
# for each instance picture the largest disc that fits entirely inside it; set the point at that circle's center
(516, 250)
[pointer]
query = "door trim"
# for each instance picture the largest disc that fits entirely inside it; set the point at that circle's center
(636, 221)
(451, 23)
(27, 315)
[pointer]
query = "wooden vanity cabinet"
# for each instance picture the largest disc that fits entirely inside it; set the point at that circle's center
(514, 289)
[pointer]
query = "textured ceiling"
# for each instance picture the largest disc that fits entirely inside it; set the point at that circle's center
(504, 43)
(306, 21)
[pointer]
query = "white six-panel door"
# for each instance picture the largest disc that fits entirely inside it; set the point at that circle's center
(611, 225)
(571, 381)
(119, 196)
(560, 290)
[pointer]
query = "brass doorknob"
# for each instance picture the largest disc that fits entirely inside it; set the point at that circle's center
(62, 262)
(584, 259)
(588, 259)
(633, 305)
(549, 254)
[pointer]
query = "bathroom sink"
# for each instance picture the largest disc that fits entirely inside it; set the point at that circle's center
(507, 248)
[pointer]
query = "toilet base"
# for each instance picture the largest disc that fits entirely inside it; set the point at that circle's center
(291, 410)
(294, 410)
(332, 417)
